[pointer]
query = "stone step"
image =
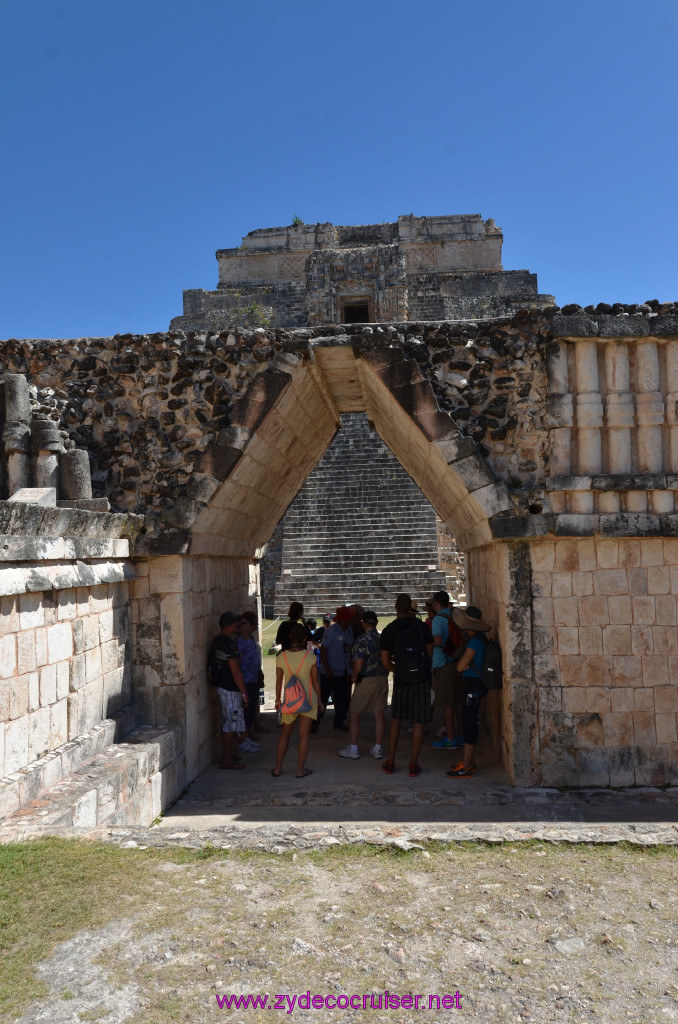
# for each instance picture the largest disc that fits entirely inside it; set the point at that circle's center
(22, 786)
(128, 783)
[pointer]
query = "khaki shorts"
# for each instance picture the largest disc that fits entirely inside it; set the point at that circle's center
(445, 682)
(370, 694)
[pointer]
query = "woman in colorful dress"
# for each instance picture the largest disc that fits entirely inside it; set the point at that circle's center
(300, 662)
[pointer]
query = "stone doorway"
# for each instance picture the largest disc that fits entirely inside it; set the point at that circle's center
(355, 312)
(246, 481)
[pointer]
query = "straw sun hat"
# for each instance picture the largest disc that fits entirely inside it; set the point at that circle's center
(470, 619)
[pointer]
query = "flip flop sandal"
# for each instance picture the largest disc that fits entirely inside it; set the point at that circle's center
(306, 771)
(233, 766)
(275, 774)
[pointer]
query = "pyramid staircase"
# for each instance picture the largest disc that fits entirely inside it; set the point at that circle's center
(359, 531)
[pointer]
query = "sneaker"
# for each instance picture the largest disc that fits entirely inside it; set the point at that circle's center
(459, 772)
(248, 746)
(415, 769)
(376, 751)
(442, 731)
(349, 751)
(446, 744)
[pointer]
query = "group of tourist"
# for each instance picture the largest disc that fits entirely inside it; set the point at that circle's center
(348, 662)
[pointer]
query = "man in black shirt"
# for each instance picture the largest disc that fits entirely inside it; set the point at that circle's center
(224, 673)
(282, 637)
(406, 647)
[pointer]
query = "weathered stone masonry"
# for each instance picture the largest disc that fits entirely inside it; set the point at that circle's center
(417, 268)
(545, 442)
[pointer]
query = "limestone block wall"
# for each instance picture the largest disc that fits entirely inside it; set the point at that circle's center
(606, 660)
(65, 664)
(175, 605)
(499, 581)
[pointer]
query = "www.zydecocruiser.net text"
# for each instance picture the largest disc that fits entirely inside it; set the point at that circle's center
(383, 1001)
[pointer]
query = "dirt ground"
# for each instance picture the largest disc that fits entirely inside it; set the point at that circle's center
(522, 932)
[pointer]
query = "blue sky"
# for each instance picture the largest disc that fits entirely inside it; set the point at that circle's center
(139, 137)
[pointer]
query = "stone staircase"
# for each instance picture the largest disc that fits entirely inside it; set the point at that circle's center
(374, 533)
(93, 781)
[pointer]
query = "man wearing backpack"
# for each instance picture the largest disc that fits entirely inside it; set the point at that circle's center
(406, 647)
(224, 673)
(446, 637)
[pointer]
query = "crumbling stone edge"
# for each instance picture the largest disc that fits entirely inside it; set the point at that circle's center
(288, 839)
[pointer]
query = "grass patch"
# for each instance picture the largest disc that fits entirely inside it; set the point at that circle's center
(51, 889)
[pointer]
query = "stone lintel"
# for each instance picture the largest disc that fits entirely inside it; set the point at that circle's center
(630, 524)
(614, 482)
(572, 525)
(629, 482)
(568, 483)
(510, 526)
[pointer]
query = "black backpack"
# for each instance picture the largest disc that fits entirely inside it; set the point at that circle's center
(409, 655)
(492, 672)
(218, 671)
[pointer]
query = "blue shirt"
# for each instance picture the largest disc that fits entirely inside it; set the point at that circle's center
(250, 659)
(337, 643)
(474, 671)
(440, 627)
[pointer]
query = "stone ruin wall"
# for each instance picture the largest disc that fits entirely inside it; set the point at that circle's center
(148, 407)
(65, 651)
(418, 268)
(575, 410)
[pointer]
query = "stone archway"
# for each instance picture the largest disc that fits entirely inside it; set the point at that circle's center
(246, 479)
(562, 491)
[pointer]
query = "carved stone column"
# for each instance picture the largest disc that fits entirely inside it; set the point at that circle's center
(46, 443)
(74, 474)
(16, 433)
(619, 418)
(649, 415)
(589, 407)
(672, 402)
